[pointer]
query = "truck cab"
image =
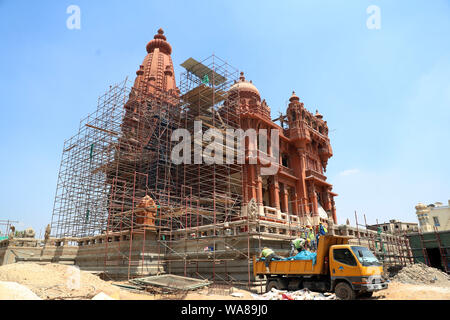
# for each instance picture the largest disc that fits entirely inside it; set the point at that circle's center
(354, 271)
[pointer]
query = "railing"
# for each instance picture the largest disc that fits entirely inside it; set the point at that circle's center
(287, 170)
(316, 174)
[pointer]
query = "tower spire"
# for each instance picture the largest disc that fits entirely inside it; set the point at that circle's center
(156, 74)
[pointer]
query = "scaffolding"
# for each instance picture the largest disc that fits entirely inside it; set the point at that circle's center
(119, 187)
(122, 154)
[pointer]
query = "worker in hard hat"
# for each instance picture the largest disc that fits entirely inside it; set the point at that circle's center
(297, 244)
(308, 227)
(322, 229)
(269, 255)
(312, 239)
(321, 232)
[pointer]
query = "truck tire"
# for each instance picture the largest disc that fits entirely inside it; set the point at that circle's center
(344, 291)
(272, 284)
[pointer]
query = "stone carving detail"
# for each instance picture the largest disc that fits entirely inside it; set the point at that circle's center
(252, 209)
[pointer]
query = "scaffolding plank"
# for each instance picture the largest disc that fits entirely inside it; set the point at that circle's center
(171, 281)
(200, 70)
(204, 97)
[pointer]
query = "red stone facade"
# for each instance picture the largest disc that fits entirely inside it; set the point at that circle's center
(300, 187)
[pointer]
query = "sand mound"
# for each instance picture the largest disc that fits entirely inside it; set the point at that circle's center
(420, 273)
(15, 291)
(56, 281)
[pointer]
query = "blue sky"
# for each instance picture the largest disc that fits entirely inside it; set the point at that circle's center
(385, 93)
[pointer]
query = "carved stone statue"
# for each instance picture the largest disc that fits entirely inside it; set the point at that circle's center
(13, 232)
(48, 229)
(252, 209)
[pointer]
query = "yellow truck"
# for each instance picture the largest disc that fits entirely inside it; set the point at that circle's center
(350, 271)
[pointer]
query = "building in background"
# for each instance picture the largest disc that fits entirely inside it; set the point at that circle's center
(432, 216)
(431, 244)
(396, 227)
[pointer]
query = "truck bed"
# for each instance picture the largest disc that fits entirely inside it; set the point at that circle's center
(287, 267)
(301, 267)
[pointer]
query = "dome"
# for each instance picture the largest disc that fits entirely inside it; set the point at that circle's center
(420, 206)
(159, 41)
(244, 85)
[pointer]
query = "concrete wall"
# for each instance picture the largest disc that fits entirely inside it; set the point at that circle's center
(34, 250)
(225, 257)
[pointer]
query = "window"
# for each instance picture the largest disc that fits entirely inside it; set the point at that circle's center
(344, 256)
(436, 222)
(365, 256)
(285, 160)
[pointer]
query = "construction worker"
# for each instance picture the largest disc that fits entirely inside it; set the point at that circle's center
(298, 244)
(269, 255)
(312, 239)
(322, 230)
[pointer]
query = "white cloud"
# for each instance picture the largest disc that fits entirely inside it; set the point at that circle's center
(349, 172)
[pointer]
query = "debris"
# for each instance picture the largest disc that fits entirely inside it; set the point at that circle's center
(237, 294)
(303, 294)
(16, 291)
(128, 286)
(420, 273)
(171, 282)
(286, 297)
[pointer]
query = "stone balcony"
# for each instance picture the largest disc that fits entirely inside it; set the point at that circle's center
(315, 174)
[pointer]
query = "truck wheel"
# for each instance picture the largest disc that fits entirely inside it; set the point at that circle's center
(272, 284)
(344, 291)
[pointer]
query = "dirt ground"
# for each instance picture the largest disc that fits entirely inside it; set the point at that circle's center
(57, 281)
(54, 281)
(402, 291)
(396, 291)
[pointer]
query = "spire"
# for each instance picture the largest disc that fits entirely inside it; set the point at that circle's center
(318, 115)
(294, 97)
(159, 41)
(156, 74)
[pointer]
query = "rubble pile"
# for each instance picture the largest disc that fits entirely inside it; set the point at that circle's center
(303, 294)
(420, 273)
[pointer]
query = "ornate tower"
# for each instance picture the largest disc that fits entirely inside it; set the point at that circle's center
(154, 89)
(309, 135)
(156, 73)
